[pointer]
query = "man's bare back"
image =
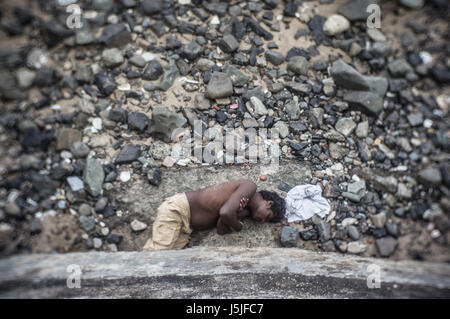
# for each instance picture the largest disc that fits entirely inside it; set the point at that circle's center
(221, 205)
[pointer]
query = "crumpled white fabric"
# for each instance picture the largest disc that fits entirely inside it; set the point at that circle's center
(305, 201)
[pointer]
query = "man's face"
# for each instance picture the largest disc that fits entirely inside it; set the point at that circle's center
(264, 212)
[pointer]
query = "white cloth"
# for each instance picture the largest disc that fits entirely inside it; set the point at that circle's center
(305, 201)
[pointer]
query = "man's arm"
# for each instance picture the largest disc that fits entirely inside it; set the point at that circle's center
(229, 210)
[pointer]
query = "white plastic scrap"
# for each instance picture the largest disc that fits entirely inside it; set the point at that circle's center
(305, 201)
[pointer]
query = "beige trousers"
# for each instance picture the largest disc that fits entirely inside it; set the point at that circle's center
(171, 229)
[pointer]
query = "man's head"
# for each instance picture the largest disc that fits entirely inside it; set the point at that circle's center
(267, 207)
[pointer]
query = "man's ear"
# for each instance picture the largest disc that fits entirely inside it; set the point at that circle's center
(270, 203)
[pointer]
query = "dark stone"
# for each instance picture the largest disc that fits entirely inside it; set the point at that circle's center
(128, 154)
(316, 26)
(46, 76)
(229, 44)
(237, 29)
(220, 8)
(397, 85)
(440, 74)
(153, 71)
(138, 121)
(297, 51)
(159, 28)
(191, 50)
(151, 7)
(290, 9)
(108, 212)
(114, 238)
(154, 178)
(35, 227)
(285, 187)
(115, 35)
(289, 236)
(118, 115)
(309, 235)
(54, 33)
(105, 83)
(249, 22)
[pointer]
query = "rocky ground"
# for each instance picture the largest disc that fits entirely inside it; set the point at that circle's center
(87, 116)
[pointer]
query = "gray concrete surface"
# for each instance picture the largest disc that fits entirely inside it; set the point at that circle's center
(228, 272)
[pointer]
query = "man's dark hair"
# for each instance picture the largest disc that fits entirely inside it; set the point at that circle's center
(278, 207)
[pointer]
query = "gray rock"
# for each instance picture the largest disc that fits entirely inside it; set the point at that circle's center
(219, 86)
(386, 245)
(324, 230)
(204, 64)
(25, 77)
(102, 5)
(404, 191)
(112, 57)
(415, 118)
(164, 122)
(355, 191)
(201, 102)
(356, 10)
(298, 65)
(87, 223)
(430, 176)
(381, 49)
(353, 232)
(367, 102)
(191, 50)
(349, 78)
(387, 184)
(399, 68)
(28, 161)
(128, 154)
(85, 210)
(84, 35)
(12, 209)
(138, 61)
(153, 71)
(289, 236)
(345, 126)
(292, 109)
(237, 77)
(392, 229)
(412, 4)
(118, 114)
(97, 242)
(378, 220)
(274, 57)
(138, 121)
(151, 7)
(93, 176)
(75, 183)
(137, 225)
(169, 76)
(337, 151)
(362, 130)
(115, 35)
(66, 137)
(335, 24)
(229, 44)
(283, 129)
(259, 109)
(79, 149)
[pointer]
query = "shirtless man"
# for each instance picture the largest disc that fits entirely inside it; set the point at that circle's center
(222, 205)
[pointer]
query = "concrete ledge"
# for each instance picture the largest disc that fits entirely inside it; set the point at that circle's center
(229, 272)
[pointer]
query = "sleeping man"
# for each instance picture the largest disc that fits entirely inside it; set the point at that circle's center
(222, 205)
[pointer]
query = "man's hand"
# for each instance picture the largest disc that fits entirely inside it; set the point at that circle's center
(243, 203)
